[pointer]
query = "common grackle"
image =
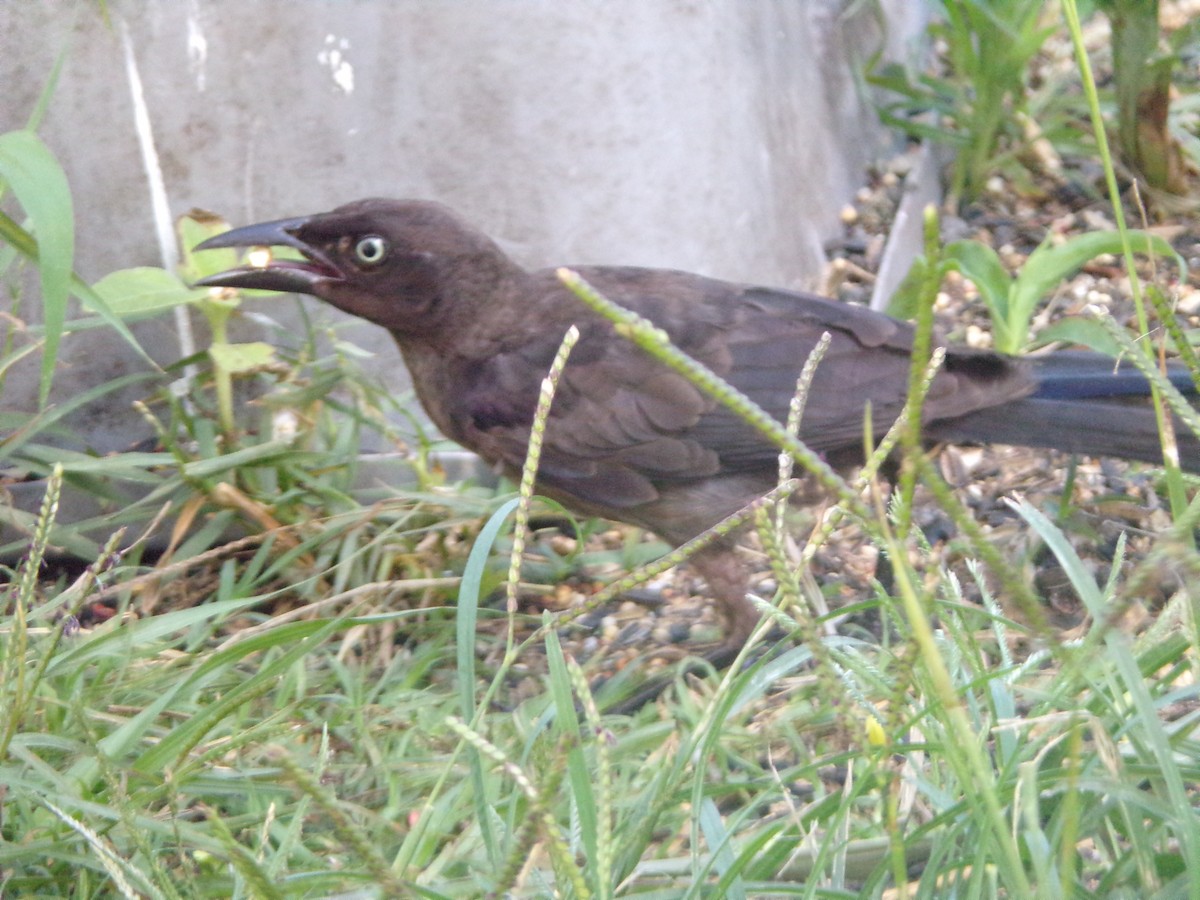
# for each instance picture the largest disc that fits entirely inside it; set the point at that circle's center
(628, 438)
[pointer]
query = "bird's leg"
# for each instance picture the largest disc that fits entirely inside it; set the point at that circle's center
(728, 585)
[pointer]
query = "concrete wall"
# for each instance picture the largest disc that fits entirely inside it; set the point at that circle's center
(719, 136)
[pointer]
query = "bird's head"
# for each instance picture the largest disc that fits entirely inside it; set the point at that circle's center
(388, 261)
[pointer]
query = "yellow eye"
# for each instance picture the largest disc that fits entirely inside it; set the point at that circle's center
(371, 250)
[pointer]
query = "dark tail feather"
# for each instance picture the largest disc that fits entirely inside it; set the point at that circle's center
(1080, 375)
(1091, 427)
(1082, 405)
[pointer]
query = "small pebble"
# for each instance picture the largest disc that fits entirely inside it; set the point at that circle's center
(977, 337)
(1188, 302)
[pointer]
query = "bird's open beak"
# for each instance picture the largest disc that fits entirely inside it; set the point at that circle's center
(265, 271)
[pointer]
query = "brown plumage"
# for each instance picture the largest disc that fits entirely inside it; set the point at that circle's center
(629, 439)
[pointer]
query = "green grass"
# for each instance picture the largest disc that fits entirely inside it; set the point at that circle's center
(210, 751)
(336, 703)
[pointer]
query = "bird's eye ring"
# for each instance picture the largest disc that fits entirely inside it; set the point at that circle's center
(371, 250)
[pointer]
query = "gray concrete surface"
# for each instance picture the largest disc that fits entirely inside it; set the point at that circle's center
(718, 136)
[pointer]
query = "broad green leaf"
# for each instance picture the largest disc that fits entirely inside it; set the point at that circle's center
(236, 358)
(40, 186)
(1087, 332)
(1048, 265)
(143, 291)
(982, 265)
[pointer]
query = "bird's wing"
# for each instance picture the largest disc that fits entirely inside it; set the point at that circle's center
(618, 424)
(623, 425)
(863, 373)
